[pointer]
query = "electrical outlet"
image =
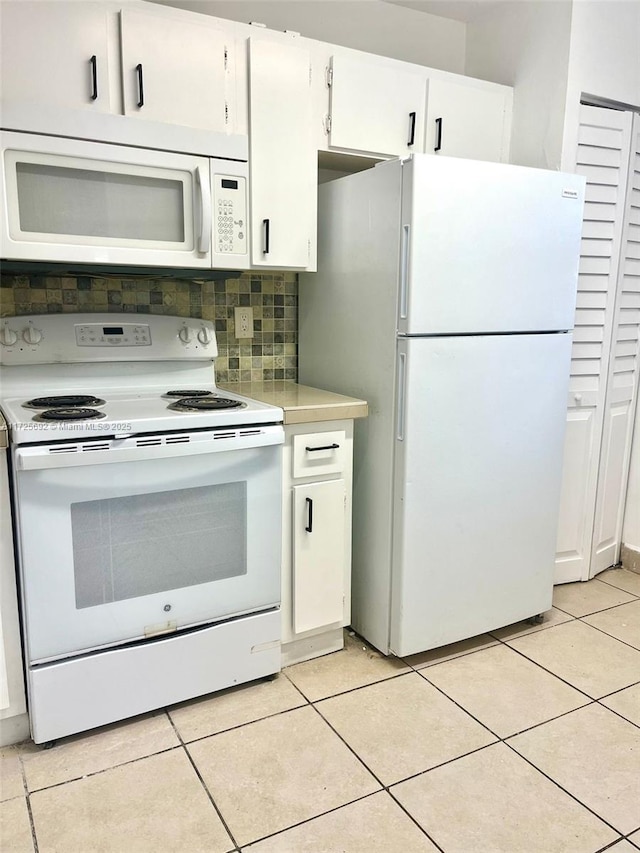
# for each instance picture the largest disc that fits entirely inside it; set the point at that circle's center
(244, 322)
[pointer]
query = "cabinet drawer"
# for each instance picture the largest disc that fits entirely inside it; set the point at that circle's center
(318, 453)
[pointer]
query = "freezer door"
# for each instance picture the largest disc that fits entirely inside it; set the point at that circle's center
(488, 247)
(479, 439)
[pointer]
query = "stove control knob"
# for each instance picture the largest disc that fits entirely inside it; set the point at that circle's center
(7, 337)
(204, 336)
(185, 334)
(31, 335)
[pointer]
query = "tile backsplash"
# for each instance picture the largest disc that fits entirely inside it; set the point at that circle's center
(271, 354)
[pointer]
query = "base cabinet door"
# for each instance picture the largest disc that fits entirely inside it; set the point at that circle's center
(319, 511)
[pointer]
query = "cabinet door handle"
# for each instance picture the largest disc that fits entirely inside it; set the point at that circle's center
(325, 447)
(438, 144)
(309, 527)
(412, 129)
(94, 77)
(140, 85)
(265, 236)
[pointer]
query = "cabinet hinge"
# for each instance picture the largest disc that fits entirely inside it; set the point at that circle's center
(310, 73)
(327, 124)
(226, 112)
(329, 76)
(226, 59)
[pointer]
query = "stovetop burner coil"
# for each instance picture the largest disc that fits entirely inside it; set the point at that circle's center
(64, 401)
(205, 404)
(188, 393)
(72, 413)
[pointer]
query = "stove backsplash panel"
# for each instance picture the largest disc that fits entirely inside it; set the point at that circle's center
(271, 354)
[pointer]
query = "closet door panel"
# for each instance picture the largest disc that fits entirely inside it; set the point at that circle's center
(622, 379)
(603, 158)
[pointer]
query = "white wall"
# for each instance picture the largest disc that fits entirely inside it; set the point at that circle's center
(526, 45)
(368, 25)
(604, 60)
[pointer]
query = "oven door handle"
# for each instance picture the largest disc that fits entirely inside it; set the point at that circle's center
(138, 448)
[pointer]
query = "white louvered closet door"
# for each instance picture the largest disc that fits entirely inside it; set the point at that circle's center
(622, 379)
(603, 360)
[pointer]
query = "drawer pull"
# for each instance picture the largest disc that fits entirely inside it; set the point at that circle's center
(309, 527)
(325, 447)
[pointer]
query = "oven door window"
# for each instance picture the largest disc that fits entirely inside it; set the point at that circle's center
(118, 552)
(138, 545)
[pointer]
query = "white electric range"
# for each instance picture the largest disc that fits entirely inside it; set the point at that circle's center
(147, 516)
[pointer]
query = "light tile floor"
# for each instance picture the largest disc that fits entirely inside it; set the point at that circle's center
(525, 740)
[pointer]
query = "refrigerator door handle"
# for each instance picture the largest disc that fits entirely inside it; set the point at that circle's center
(402, 372)
(404, 271)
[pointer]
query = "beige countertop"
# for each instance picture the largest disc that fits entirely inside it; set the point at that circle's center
(301, 404)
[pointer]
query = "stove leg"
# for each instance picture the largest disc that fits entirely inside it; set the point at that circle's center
(49, 744)
(535, 620)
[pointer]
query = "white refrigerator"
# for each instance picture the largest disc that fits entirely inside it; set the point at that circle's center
(445, 297)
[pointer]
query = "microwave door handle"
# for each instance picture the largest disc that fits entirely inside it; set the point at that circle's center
(204, 238)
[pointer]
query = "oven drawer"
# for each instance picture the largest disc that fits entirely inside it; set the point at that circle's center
(78, 694)
(319, 454)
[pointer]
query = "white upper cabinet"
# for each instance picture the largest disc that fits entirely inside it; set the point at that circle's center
(375, 107)
(282, 158)
(174, 70)
(55, 53)
(469, 118)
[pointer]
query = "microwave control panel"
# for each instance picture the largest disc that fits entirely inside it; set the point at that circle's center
(229, 215)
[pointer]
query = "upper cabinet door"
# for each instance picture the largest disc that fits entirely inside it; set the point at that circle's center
(56, 54)
(467, 120)
(174, 71)
(282, 158)
(376, 108)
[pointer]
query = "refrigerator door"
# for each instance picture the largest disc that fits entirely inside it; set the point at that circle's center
(487, 247)
(479, 440)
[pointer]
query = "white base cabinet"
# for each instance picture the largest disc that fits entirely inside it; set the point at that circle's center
(316, 563)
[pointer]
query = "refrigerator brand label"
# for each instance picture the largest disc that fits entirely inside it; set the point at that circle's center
(570, 193)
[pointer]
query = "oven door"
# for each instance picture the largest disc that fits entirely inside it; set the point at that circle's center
(114, 552)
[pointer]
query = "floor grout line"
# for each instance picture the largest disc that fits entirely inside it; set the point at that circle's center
(558, 785)
(422, 671)
(602, 631)
(32, 824)
(202, 782)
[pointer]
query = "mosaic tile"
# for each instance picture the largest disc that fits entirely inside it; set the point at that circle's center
(271, 354)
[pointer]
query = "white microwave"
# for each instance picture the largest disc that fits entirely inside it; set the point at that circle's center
(70, 200)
